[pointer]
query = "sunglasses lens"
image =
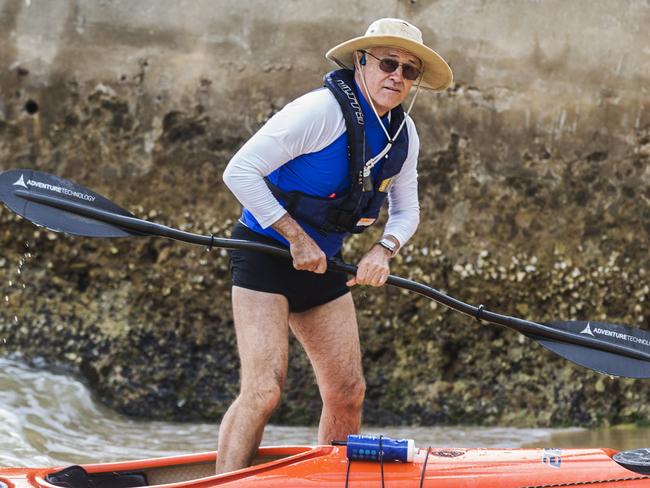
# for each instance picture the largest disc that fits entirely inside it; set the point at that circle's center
(388, 65)
(410, 72)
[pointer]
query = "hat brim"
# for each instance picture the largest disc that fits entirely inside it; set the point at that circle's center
(437, 73)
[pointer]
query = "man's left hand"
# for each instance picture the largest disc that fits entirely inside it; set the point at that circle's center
(373, 268)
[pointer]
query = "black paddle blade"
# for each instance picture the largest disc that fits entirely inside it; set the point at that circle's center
(27, 182)
(637, 460)
(598, 360)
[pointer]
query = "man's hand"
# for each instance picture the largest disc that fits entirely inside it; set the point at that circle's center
(373, 268)
(307, 255)
(305, 252)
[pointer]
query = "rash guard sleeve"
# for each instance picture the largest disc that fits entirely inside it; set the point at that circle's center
(403, 205)
(308, 124)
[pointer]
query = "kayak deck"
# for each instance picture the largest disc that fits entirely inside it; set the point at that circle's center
(296, 466)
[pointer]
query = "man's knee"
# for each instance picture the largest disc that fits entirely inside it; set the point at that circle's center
(348, 395)
(262, 398)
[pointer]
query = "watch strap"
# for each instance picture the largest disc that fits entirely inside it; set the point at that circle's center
(391, 246)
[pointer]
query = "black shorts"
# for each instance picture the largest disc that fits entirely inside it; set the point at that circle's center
(258, 271)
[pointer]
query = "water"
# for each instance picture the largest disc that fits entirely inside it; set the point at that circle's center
(622, 438)
(51, 419)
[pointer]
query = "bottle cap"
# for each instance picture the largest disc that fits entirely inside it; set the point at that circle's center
(410, 451)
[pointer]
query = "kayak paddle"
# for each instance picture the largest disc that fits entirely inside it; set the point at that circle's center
(64, 206)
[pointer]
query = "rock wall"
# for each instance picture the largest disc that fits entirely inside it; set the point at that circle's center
(534, 191)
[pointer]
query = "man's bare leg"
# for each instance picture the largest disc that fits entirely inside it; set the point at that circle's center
(261, 323)
(330, 335)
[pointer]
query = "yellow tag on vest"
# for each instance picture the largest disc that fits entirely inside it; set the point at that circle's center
(385, 185)
(365, 221)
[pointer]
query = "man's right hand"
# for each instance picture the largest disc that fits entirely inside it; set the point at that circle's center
(305, 252)
(307, 255)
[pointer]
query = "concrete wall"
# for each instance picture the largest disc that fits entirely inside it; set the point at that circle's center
(554, 66)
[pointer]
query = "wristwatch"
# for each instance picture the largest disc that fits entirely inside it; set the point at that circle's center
(388, 244)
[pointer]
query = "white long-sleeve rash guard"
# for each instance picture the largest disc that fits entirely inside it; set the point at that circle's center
(306, 125)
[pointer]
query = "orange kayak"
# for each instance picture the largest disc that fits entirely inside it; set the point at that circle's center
(328, 466)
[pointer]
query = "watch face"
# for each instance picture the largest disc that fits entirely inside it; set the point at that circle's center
(387, 243)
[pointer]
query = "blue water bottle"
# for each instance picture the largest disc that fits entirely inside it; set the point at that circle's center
(370, 448)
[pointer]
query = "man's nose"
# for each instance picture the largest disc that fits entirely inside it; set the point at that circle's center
(397, 75)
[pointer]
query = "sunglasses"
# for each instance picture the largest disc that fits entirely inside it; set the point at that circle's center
(388, 65)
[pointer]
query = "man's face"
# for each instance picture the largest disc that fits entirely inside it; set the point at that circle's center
(387, 90)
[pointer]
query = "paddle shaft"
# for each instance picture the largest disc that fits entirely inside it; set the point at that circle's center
(153, 229)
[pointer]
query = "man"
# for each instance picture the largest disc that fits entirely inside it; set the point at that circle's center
(316, 171)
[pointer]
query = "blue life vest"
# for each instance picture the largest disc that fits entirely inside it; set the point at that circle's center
(359, 206)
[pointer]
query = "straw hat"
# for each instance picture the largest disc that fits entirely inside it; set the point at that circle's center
(396, 33)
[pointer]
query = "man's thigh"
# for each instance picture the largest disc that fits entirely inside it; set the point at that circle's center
(261, 323)
(330, 335)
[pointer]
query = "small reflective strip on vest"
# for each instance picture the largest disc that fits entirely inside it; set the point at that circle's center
(385, 185)
(365, 221)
